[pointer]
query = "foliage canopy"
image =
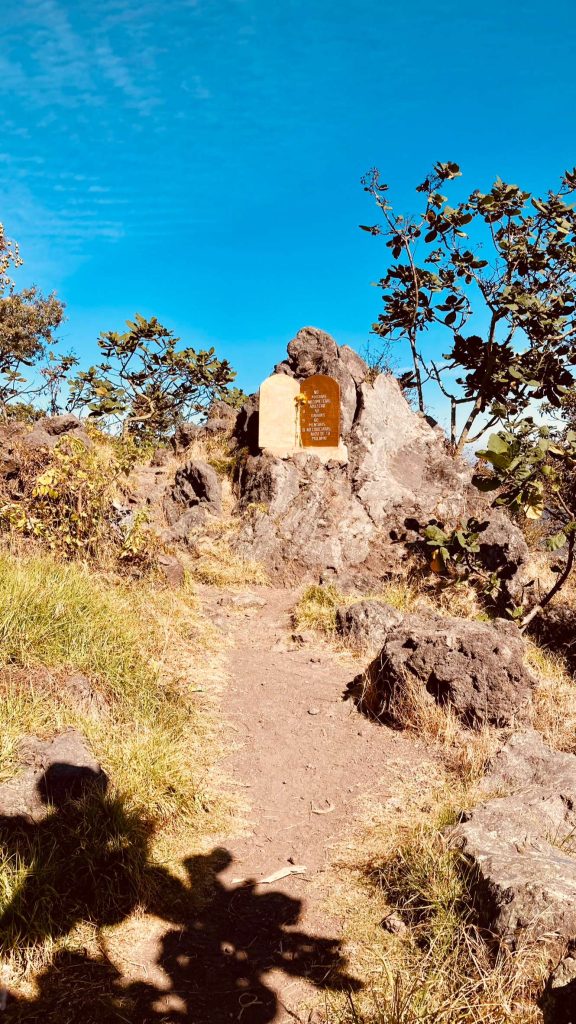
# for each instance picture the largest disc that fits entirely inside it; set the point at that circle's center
(146, 382)
(496, 274)
(28, 321)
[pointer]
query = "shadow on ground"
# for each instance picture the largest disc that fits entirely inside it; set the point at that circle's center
(88, 861)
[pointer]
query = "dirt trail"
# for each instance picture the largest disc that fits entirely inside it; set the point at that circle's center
(306, 762)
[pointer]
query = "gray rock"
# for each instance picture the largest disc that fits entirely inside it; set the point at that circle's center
(394, 924)
(11, 438)
(367, 623)
(187, 527)
(147, 485)
(196, 483)
(57, 425)
(520, 846)
(475, 668)
(525, 760)
(54, 771)
(313, 351)
(247, 601)
(269, 481)
(398, 462)
(558, 1002)
(221, 418)
(555, 627)
(160, 457)
(504, 549)
(246, 427)
(184, 436)
(311, 518)
(172, 570)
(48, 431)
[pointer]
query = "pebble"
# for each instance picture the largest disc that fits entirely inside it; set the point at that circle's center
(247, 601)
(394, 924)
(313, 711)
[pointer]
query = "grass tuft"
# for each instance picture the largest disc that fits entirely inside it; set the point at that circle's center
(316, 608)
(554, 699)
(219, 566)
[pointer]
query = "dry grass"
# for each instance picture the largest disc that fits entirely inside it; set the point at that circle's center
(218, 565)
(439, 969)
(554, 699)
(148, 655)
(316, 608)
(218, 450)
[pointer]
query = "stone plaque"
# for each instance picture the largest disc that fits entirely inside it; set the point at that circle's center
(277, 427)
(320, 412)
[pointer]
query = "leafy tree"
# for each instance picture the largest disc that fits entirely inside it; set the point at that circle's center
(146, 383)
(28, 321)
(532, 468)
(504, 259)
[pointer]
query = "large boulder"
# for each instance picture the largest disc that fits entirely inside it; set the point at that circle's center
(555, 628)
(184, 436)
(474, 668)
(301, 515)
(399, 464)
(351, 520)
(313, 351)
(504, 550)
(11, 437)
(245, 430)
(520, 846)
(221, 418)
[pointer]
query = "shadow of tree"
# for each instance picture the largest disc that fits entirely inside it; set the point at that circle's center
(89, 861)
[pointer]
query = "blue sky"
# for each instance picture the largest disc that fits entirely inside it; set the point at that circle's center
(200, 160)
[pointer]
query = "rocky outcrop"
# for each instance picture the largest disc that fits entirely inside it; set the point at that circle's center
(45, 434)
(474, 668)
(313, 351)
(301, 515)
(520, 846)
(184, 436)
(398, 462)
(48, 431)
(221, 418)
(367, 624)
(504, 550)
(350, 520)
(245, 430)
(53, 771)
(555, 628)
(195, 485)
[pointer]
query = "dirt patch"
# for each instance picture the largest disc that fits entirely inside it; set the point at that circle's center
(307, 764)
